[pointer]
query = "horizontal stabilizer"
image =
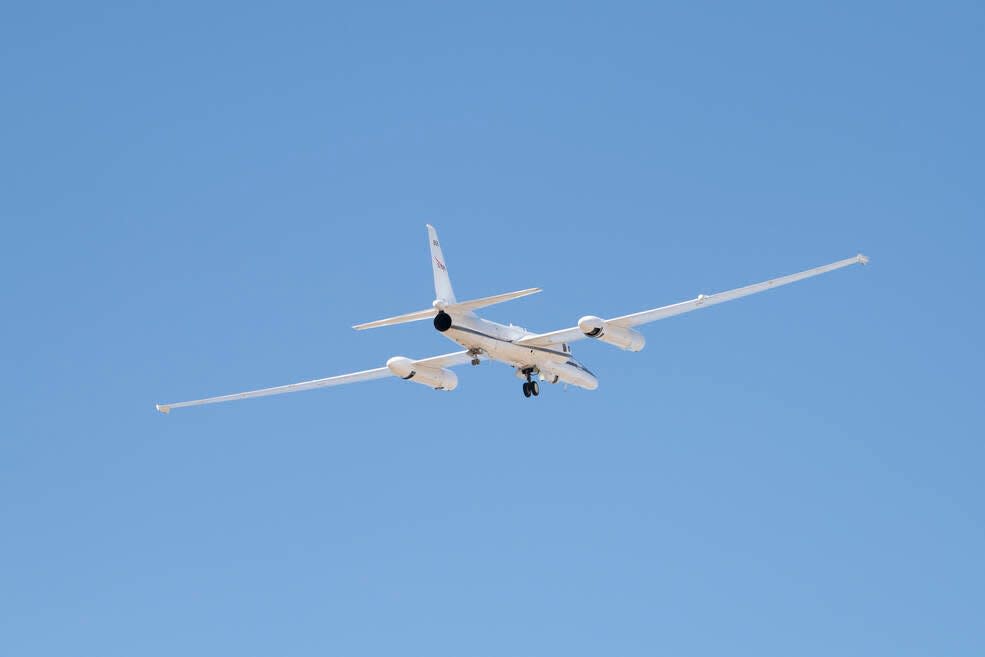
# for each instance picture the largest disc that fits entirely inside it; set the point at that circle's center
(399, 319)
(494, 299)
(463, 307)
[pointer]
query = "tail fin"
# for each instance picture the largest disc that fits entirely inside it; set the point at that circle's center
(442, 284)
(444, 295)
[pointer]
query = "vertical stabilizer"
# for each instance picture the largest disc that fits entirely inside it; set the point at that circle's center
(442, 283)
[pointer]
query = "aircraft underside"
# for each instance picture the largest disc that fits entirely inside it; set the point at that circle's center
(534, 356)
(498, 342)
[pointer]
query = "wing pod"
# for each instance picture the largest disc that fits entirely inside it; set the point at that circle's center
(625, 338)
(438, 378)
(569, 372)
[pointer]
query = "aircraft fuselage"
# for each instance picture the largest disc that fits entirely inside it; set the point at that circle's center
(498, 342)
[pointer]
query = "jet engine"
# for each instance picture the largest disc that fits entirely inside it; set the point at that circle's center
(599, 329)
(433, 377)
(442, 321)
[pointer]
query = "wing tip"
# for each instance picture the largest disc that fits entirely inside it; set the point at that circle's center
(862, 259)
(162, 408)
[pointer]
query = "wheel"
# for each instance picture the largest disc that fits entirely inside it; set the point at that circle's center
(475, 361)
(534, 388)
(526, 390)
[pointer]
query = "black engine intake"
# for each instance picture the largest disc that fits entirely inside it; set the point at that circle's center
(442, 321)
(622, 337)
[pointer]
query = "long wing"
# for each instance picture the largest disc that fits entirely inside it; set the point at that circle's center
(447, 360)
(701, 301)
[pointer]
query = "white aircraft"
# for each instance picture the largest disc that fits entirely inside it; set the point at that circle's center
(546, 356)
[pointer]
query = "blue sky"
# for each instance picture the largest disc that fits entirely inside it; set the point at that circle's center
(202, 198)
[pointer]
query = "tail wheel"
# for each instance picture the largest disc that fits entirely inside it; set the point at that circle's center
(526, 390)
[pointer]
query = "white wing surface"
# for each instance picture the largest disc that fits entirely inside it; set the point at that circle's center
(701, 301)
(442, 281)
(415, 316)
(459, 307)
(447, 360)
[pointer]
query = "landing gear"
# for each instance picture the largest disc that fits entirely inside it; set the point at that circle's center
(475, 361)
(530, 387)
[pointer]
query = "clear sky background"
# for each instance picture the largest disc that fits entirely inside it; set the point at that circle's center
(203, 198)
